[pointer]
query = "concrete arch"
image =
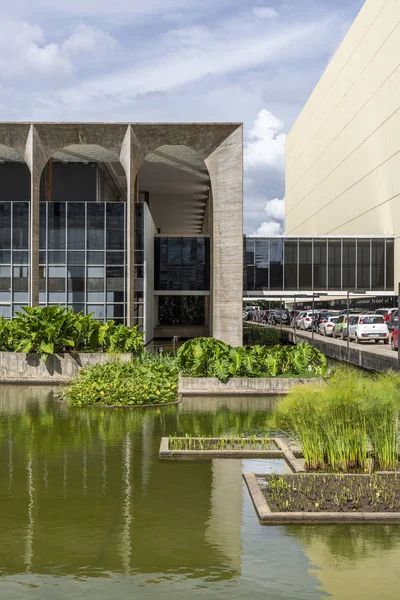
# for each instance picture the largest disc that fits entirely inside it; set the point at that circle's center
(178, 184)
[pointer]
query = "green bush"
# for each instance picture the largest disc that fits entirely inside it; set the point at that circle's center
(207, 357)
(52, 329)
(334, 421)
(147, 379)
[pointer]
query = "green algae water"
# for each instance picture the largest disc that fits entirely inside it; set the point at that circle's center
(87, 510)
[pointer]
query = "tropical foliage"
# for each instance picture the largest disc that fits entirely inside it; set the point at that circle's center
(51, 329)
(147, 379)
(207, 357)
(336, 422)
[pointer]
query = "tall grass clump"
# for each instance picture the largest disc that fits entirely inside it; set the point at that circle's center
(335, 422)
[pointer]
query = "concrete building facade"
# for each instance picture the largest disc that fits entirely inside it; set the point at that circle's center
(343, 153)
(137, 222)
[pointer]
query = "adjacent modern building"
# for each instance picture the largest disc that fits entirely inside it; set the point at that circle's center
(140, 223)
(343, 153)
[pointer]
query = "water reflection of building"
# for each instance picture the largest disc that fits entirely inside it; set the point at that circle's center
(358, 562)
(88, 494)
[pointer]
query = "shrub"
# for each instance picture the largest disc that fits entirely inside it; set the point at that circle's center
(333, 421)
(51, 329)
(207, 357)
(149, 379)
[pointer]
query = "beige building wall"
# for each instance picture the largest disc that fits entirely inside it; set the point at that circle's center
(343, 153)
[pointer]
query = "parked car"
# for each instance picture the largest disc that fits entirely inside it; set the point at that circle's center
(321, 317)
(293, 317)
(327, 325)
(306, 321)
(386, 313)
(369, 327)
(299, 319)
(338, 326)
(395, 339)
(392, 325)
(281, 315)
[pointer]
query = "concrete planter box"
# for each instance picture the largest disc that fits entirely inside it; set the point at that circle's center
(17, 367)
(192, 386)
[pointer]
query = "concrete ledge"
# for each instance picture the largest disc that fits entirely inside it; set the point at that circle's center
(21, 368)
(192, 386)
(267, 517)
(281, 450)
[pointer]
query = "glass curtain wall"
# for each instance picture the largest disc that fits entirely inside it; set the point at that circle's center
(14, 257)
(182, 264)
(330, 264)
(83, 257)
(139, 266)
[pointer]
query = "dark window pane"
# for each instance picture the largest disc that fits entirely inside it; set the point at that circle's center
(56, 257)
(181, 264)
(249, 280)
(95, 233)
(95, 258)
(276, 264)
(20, 225)
(320, 265)
(291, 265)
(115, 258)
(378, 265)
(115, 226)
(334, 264)
(76, 280)
(349, 264)
(305, 265)
(56, 225)
(261, 261)
(76, 258)
(181, 310)
(389, 265)
(363, 265)
(76, 226)
(5, 225)
(21, 257)
(42, 225)
(5, 256)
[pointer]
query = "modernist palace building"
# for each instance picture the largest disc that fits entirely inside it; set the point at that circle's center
(140, 223)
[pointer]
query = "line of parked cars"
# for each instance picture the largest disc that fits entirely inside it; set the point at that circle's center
(363, 326)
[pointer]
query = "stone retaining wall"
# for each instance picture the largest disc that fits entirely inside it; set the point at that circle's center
(192, 386)
(17, 367)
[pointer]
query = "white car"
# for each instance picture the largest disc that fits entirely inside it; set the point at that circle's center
(306, 320)
(299, 319)
(364, 328)
(327, 325)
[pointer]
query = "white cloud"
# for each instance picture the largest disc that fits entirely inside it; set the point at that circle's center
(269, 228)
(275, 209)
(266, 143)
(24, 53)
(265, 12)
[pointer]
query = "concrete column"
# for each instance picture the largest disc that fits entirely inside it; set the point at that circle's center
(225, 166)
(36, 160)
(127, 161)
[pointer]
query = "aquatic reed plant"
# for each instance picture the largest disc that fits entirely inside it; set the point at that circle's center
(335, 422)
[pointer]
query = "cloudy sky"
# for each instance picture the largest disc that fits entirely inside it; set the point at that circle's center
(255, 61)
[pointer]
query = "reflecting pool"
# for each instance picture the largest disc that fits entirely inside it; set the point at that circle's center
(87, 510)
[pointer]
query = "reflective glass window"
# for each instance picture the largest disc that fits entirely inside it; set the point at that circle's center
(276, 264)
(334, 264)
(76, 225)
(390, 265)
(56, 225)
(363, 264)
(320, 265)
(261, 261)
(115, 226)
(95, 232)
(378, 265)
(5, 225)
(291, 282)
(20, 225)
(305, 265)
(349, 264)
